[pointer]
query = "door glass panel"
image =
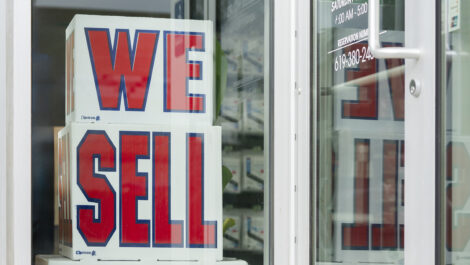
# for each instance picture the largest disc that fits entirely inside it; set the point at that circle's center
(455, 120)
(360, 135)
(197, 149)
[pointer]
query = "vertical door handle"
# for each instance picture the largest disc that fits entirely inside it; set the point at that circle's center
(374, 38)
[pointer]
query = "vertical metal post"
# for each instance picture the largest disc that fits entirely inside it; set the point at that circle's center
(420, 135)
(284, 133)
(3, 214)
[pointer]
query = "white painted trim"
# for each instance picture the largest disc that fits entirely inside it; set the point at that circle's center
(18, 134)
(267, 250)
(3, 229)
(420, 131)
(284, 118)
(314, 135)
(303, 133)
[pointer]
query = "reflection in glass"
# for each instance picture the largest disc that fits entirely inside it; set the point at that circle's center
(360, 108)
(456, 132)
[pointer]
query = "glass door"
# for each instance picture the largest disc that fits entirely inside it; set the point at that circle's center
(455, 132)
(360, 99)
(375, 111)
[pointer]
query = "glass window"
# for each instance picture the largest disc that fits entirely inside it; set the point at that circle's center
(149, 129)
(359, 179)
(455, 158)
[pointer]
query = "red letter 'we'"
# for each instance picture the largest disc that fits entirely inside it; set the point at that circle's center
(179, 70)
(121, 68)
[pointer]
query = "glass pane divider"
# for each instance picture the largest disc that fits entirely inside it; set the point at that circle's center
(303, 130)
(284, 121)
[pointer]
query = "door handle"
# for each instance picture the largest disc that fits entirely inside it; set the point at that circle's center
(374, 38)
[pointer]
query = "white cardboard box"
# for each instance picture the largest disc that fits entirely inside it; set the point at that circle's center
(59, 260)
(233, 236)
(253, 171)
(253, 230)
(231, 114)
(232, 160)
(129, 192)
(253, 116)
(139, 70)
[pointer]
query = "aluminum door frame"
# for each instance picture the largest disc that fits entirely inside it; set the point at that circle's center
(282, 169)
(291, 143)
(3, 182)
(422, 18)
(420, 134)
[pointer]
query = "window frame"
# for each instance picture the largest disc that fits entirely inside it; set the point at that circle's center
(291, 132)
(16, 89)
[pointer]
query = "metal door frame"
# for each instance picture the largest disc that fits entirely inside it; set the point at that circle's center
(3, 123)
(291, 143)
(421, 20)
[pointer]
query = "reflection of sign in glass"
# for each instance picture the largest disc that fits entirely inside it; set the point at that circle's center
(375, 207)
(242, 38)
(178, 9)
(361, 168)
(369, 114)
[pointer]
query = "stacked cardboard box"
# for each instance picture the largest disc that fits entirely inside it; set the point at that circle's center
(139, 159)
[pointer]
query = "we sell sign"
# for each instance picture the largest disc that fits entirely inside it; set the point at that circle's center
(140, 192)
(139, 70)
(140, 162)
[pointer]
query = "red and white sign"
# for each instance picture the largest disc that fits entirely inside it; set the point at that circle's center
(146, 192)
(139, 70)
